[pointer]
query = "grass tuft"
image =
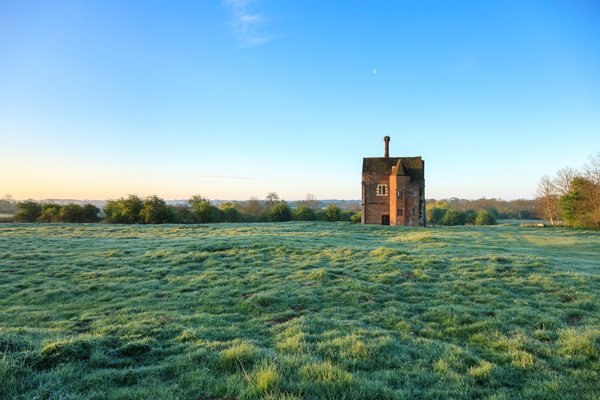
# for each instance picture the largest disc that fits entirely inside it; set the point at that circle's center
(265, 378)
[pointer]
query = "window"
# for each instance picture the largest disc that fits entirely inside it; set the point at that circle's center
(413, 212)
(400, 212)
(382, 190)
(400, 194)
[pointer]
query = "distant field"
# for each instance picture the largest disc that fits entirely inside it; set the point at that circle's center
(298, 311)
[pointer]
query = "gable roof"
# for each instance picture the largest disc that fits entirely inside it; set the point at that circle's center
(407, 166)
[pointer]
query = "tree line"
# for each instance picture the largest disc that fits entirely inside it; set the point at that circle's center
(134, 209)
(571, 196)
(501, 209)
(442, 213)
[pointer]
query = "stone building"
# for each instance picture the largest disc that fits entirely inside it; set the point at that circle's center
(393, 190)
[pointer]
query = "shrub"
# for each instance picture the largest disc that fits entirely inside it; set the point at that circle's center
(304, 213)
(356, 217)
(280, 212)
(470, 216)
(230, 213)
(253, 210)
(493, 212)
(202, 211)
(346, 215)
(124, 210)
(90, 213)
(484, 217)
(49, 213)
(332, 213)
(155, 211)
(453, 217)
(70, 213)
(436, 215)
(28, 211)
(182, 213)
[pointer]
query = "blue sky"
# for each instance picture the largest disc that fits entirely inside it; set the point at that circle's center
(232, 99)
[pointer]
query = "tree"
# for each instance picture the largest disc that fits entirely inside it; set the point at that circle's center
(310, 201)
(155, 211)
(253, 210)
(436, 215)
(470, 216)
(346, 215)
(484, 217)
(272, 199)
(548, 198)
(230, 212)
(90, 213)
(70, 213)
(49, 213)
(577, 205)
(453, 217)
(563, 180)
(493, 212)
(356, 217)
(592, 169)
(124, 210)
(28, 211)
(591, 172)
(202, 211)
(332, 213)
(280, 212)
(182, 213)
(304, 213)
(7, 204)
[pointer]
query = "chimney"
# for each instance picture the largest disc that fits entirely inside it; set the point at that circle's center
(386, 139)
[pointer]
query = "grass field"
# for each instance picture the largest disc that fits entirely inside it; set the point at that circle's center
(298, 311)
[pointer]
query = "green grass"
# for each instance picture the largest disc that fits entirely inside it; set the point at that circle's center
(298, 311)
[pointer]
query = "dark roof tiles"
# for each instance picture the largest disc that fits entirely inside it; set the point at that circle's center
(409, 166)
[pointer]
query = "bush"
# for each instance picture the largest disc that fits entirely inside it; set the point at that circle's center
(70, 213)
(28, 211)
(453, 217)
(484, 217)
(304, 213)
(332, 213)
(493, 212)
(124, 210)
(155, 211)
(49, 213)
(280, 212)
(90, 213)
(470, 216)
(182, 214)
(230, 213)
(436, 215)
(254, 211)
(356, 217)
(346, 215)
(202, 211)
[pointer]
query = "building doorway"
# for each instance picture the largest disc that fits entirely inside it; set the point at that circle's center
(385, 220)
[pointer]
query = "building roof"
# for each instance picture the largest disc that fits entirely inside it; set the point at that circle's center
(407, 166)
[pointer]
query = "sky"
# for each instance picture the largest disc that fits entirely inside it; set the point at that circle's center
(233, 99)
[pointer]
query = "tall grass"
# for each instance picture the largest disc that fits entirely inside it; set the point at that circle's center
(298, 311)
